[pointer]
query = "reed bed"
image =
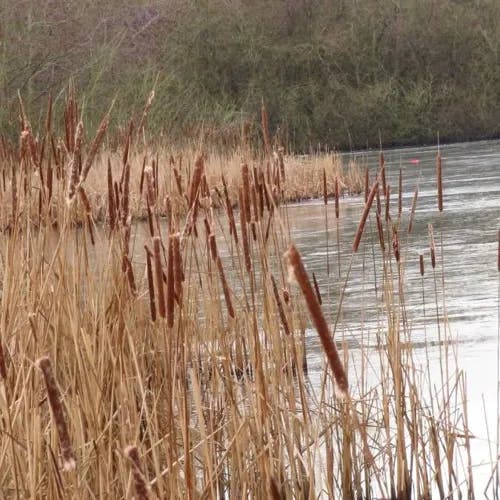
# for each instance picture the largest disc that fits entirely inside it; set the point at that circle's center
(178, 367)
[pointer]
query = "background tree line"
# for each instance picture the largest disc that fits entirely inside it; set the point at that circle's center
(342, 73)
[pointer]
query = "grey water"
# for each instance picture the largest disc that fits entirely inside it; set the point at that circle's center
(461, 295)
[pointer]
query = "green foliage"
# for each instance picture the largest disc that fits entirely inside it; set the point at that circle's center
(340, 73)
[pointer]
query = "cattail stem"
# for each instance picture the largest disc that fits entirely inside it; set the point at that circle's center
(300, 274)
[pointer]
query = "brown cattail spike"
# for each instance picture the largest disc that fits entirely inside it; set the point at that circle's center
(178, 268)
(439, 175)
(337, 198)
(395, 244)
(170, 284)
(382, 172)
(432, 245)
(151, 286)
(245, 177)
(366, 211)
(400, 194)
(421, 261)
(159, 276)
(111, 199)
(58, 414)
(244, 234)
(225, 288)
(141, 486)
(380, 230)
(367, 184)
(325, 190)
(387, 203)
(298, 271)
(199, 167)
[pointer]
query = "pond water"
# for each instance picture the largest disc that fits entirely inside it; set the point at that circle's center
(461, 295)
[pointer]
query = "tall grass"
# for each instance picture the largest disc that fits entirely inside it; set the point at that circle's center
(180, 356)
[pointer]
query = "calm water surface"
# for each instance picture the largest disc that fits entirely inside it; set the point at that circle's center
(466, 237)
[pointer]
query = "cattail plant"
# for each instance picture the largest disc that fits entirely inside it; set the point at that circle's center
(400, 195)
(337, 198)
(364, 216)
(58, 414)
(141, 486)
(395, 244)
(111, 199)
(432, 246)
(159, 276)
(387, 203)
(170, 284)
(244, 233)
(439, 176)
(298, 271)
(151, 287)
(325, 201)
(413, 209)
(367, 183)
(88, 212)
(230, 213)
(178, 267)
(382, 172)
